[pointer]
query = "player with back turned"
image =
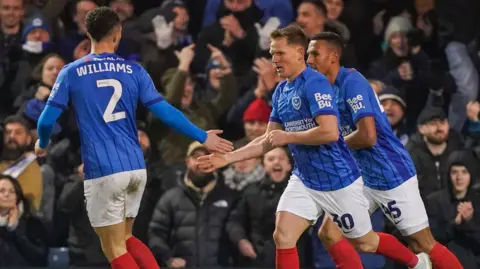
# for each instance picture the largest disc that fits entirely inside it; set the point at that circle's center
(325, 177)
(387, 169)
(104, 90)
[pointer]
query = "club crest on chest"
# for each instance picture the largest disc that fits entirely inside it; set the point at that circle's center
(296, 102)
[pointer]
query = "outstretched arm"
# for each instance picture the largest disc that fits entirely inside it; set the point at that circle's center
(175, 119)
(256, 148)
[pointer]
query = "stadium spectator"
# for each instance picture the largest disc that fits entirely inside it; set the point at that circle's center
(188, 224)
(164, 30)
(11, 16)
(313, 19)
(394, 104)
(23, 237)
(180, 90)
(234, 33)
(240, 175)
(252, 221)
(16, 161)
(402, 65)
(454, 211)
(282, 9)
(430, 148)
(43, 77)
(76, 43)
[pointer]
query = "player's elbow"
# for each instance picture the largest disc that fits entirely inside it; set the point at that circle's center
(370, 139)
(333, 136)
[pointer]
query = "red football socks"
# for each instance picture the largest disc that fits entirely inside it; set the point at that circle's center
(141, 253)
(287, 259)
(344, 255)
(390, 247)
(442, 258)
(125, 261)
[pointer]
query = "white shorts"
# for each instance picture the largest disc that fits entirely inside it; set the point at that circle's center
(113, 198)
(348, 207)
(403, 206)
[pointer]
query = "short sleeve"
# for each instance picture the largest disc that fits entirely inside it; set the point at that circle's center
(60, 94)
(320, 97)
(358, 95)
(148, 94)
(274, 117)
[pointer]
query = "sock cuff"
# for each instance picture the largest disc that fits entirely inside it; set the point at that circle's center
(132, 239)
(287, 250)
(339, 244)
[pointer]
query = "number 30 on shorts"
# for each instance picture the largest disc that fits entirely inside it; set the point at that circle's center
(344, 222)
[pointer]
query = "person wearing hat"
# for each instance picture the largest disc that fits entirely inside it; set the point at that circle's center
(430, 148)
(454, 211)
(190, 219)
(394, 104)
(37, 36)
(255, 119)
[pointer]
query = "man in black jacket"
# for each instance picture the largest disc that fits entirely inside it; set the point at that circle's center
(454, 212)
(188, 224)
(430, 149)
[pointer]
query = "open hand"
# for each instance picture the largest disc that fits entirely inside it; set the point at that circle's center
(214, 143)
(185, 57)
(210, 163)
(278, 138)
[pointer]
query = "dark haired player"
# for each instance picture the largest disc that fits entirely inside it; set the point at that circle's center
(325, 176)
(387, 169)
(104, 90)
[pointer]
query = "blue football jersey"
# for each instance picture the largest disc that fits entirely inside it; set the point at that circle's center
(387, 164)
(295, 105)
(104, 90)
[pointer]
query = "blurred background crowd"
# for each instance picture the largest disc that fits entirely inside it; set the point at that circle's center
(210, 59)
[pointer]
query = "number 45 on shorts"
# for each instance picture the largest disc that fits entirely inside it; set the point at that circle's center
(392, 211)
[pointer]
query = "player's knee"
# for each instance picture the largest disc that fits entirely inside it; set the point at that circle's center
(329, 233)
(112, 251)
(367, 243)
(283, 238)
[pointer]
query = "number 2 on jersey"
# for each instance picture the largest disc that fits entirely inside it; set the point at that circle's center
(108, 115)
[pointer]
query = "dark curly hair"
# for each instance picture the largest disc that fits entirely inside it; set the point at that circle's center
(100, 22)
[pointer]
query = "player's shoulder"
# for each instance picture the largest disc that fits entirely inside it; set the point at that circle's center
(353, 75)
(311, 76)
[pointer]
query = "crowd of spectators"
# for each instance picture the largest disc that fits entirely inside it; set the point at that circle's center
(210, 59)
